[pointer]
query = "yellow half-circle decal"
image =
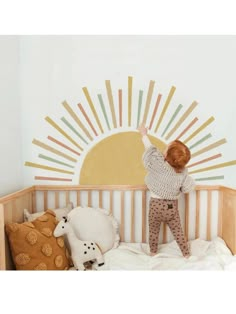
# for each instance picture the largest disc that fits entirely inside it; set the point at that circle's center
(117, 159)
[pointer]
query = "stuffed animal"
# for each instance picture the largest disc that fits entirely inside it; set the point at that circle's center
(81, 251)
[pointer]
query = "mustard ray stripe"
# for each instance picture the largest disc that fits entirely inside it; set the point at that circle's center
(172, 119)
(34, 165)
(224, 164)
(111, 102)
(148, 100)
(209, 147)
(55, 160)
(51, 178)
(182, 119)
(53, 150)
(50, 121)
(130, 85)
(210, 178)
(202, 127)
(77, 120)
(171, 93)
(86, 93)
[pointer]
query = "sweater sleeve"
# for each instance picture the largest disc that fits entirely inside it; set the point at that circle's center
(152, 157)
(146, 142)
(188, 184)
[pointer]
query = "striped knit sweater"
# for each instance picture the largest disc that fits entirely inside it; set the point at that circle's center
(161, 179)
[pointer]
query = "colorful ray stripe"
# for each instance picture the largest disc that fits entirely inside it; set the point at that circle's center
(120, 105)
(53, 150)
(155, 110)
(202, 127)
(111, 102)
(63, 119)
(87, 118)
(171, 93)
(130, 85)
(209, 147)
(222, 165)
(50, 121)
(55, 160)
(65, 146)
(204, 160)
(140, 99)
(181, 120)
(34, 165)
(51, 179)
(148, 101)
(77, 120)
(103, 110)
(201, 141)
(172, 119)
(210, 178)
(86, 93)
(187, 128)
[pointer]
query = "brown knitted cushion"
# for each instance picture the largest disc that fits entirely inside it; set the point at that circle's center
(34, 247)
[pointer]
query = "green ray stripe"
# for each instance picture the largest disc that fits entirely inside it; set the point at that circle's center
(73, 129)
(140, 99)
(210, 178)
(172, 119)
(54, 160)
(201, 140)
(103, 110)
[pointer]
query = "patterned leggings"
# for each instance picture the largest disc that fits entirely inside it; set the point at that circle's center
(165, 211)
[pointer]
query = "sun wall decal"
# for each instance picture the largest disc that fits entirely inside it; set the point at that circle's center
(97, 141)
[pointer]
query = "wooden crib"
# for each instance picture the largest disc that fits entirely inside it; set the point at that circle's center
(207, 212)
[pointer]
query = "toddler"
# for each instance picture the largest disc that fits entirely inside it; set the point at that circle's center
(166, 179)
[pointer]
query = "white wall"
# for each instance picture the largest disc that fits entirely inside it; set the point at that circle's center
(11, 178)
(55, 68)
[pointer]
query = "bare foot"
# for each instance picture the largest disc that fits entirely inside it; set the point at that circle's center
(152, 254)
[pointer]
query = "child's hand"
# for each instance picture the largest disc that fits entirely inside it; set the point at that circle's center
(142, 129)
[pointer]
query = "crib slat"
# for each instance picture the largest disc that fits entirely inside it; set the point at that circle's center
(132, 216)
(197, 214)
(67, 197)
(122, 216)
(78, 198)
(2, 239)
(56, 199)
(164, 232)
(209, 199)
(186, 215)
(34, 202)
(45, 200)
(89, 199)
(100, 198)
(143, 216)
(220, 208)
(111, 202)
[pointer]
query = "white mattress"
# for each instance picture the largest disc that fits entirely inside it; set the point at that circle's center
(206, 255)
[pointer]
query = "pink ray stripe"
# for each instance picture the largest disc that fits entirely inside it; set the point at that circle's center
(87, 118)
(120, 106)
(51, 178)
(155, 110)
(204, 160)
(63, 145)
(187, 128)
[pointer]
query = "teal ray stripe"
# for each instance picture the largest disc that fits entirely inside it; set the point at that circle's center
(73, 129)
(103, 110)
(201, 140)
(140, 99)
(172, 119)
(210, 178)
(54, 160)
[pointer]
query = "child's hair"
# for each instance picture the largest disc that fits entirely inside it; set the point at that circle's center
(178, 155)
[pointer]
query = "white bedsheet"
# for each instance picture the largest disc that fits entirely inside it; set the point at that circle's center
(205, 255)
